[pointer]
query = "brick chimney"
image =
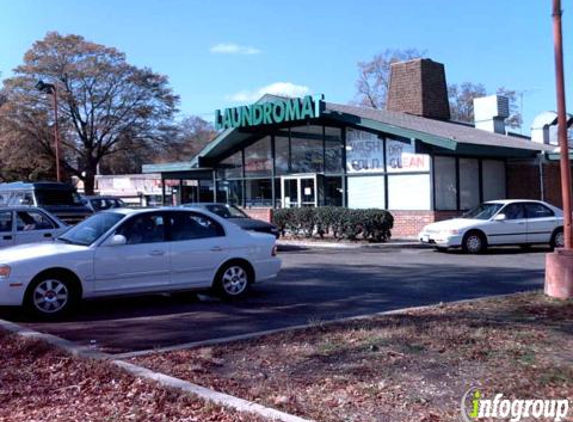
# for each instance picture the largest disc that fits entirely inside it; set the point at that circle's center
(419, 87)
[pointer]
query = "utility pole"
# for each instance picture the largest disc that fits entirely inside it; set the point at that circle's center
(559, 264)
(565, 164)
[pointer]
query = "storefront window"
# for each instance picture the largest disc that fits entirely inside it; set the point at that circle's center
(364, 152)
(230, 192)
(366, 192)
(445, 183)
(469, 183)
(231, 167)
(333, 150)
(330, 191)
(409, 192)
(258, 158)
(493, 180)
(282, 155)
(401, 157)
(306, 149)
(258, 193)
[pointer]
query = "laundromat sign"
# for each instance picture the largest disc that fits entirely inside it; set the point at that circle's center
(268, 113)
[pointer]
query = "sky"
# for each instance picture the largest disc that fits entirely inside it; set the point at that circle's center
(229, 52)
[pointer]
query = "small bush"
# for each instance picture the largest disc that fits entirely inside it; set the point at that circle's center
(341, 223)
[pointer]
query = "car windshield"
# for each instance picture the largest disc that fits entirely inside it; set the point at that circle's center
(91, 229)
(57, 197)
(100, 204)
(483, 211)
(226, 211)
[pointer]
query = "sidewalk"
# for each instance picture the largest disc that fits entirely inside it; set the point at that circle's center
(393, 243)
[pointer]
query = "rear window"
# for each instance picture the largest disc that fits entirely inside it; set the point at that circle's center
(57, 197)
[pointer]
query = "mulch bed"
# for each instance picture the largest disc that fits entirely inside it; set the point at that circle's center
(40, 383)
(409, 367)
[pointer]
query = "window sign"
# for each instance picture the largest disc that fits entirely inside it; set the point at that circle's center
(364, 152)
(402, 157)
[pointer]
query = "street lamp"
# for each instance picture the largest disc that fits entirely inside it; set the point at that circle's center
(51, 89)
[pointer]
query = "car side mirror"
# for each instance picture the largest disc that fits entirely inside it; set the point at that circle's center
(117, 240)
(500, 217)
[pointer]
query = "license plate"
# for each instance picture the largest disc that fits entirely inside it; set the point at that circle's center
(425, 238)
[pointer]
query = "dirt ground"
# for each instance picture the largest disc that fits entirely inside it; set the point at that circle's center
(409, 367)
(39, 383)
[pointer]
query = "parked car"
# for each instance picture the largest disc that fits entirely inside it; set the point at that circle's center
(237, 216)
(59, 199)
(134, 251)
(19, 225)
(101, 203)
(503, 222)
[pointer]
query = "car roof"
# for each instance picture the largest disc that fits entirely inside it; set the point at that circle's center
(511, 201)
(204, 204)
(101, 197)
(22, 208)
(36, 185)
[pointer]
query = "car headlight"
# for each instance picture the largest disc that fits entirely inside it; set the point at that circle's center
(452, 232)
(5, 271)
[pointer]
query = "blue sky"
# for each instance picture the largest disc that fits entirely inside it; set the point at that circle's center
(222, 53)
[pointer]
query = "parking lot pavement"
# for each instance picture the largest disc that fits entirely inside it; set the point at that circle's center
(314, 285)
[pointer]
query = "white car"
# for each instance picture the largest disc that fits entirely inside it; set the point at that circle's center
(135, 251)
(504, 222)
(19, 225)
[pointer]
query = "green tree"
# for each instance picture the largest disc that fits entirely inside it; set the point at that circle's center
(105, 102)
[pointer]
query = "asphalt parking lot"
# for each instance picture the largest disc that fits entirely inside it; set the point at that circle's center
(314, 285)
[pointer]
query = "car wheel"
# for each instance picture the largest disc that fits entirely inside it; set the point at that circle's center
(558, 239)
(51, 297)
(474, 242)
(233, 280)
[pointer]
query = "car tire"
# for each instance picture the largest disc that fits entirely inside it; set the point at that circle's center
(557, 239)
(233, 280)
(51, 296)
(474, 242)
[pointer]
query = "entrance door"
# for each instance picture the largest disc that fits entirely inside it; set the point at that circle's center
(299, 191)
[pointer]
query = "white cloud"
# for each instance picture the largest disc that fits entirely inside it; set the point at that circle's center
(234, 49)
(286, 89)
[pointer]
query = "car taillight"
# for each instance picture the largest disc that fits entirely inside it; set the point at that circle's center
(274, 251)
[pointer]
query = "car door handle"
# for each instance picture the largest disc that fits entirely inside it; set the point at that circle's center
(157, 252)
(216, 249)
(47, 234)
(8, 237)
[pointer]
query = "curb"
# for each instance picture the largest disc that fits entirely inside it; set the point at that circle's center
(164, 380)
(258, 334)
(332, 245)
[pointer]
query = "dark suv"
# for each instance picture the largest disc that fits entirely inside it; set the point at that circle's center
(60, 199)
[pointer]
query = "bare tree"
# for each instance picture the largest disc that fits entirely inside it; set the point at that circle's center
(462, 107)
(104, 102)
(374, 76)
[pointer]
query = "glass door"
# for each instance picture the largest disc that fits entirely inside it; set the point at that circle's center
(299, 191)
(290, 197)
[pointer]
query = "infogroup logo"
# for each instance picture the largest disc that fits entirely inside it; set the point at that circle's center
(474, 406)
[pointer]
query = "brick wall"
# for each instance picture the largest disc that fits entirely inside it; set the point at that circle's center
(523, 182)
(407, 224)
(419, 87)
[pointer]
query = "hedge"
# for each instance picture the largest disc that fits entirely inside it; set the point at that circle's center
(341, 223)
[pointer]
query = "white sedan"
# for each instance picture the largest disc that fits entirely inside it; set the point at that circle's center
(504, 222)
(19, 225)
(134, 251)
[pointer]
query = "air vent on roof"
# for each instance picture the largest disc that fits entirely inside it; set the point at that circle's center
(490, 113)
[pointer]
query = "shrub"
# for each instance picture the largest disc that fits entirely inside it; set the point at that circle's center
(341, 223)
